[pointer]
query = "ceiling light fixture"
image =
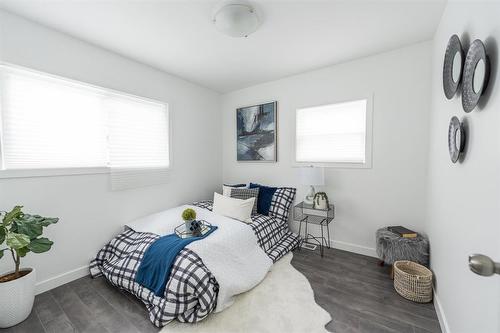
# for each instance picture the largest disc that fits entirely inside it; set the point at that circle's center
(236, 18)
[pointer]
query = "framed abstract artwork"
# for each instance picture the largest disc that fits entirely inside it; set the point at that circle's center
(256, 133)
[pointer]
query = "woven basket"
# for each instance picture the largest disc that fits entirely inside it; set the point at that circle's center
(413, 281)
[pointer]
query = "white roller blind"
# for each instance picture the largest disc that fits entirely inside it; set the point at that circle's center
(138, 133)
(50, 123)
(334, 133)
(138, 142)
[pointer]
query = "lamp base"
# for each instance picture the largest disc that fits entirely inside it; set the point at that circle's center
(309, 198)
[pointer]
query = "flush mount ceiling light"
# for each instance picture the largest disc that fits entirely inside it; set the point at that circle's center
(236, 18)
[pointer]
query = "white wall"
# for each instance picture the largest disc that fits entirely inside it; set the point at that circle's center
(90, 214)
(392, 191)
(464, 199)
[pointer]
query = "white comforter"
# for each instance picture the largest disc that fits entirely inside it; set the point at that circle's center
(231, 253)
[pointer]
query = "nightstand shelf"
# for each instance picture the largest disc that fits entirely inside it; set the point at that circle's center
(306, 214)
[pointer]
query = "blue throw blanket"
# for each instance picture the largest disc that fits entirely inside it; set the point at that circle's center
(158, 259)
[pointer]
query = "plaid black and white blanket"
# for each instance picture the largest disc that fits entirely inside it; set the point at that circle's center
(191, 290)
(273, 235)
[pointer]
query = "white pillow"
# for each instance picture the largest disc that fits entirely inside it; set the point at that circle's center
(235, 208)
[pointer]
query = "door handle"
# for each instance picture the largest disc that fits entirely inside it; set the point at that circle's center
(483, 265)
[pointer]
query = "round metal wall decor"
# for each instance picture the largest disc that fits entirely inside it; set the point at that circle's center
(456, 139)
(476, 74)
(452, 67)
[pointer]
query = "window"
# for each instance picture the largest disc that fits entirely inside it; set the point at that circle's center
(333, 134)
(49, 122)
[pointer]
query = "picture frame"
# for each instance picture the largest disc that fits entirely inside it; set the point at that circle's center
(256, 133)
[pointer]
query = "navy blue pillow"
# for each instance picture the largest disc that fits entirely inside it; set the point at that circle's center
(265, 197)
(236, 185)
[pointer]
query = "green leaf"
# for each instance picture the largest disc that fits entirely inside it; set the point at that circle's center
(17, 241)
(30, 229)
(10, 216)
(28, 218)
(22, 251)
(2, 234)
(46, 221)
(39, 220)
(40, 245)
(1, 253)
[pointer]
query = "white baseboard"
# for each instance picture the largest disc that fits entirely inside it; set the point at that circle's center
(336, 244)
(61, 279)
(359, 249)
(440, 314)
(77, 273)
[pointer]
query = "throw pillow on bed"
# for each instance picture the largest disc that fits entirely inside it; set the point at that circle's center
(235, 208)
(246, 193)
(282, 202)
(226, 188)
(275, 201)
(265, 198)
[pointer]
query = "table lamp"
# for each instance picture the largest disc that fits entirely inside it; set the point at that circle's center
(311, 176)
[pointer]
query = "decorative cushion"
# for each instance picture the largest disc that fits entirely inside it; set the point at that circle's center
(266, 194)
(226, 188)
(246, 193)
(235, 208)
(281, 203)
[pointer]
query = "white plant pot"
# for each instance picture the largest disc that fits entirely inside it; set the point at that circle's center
(320, 204)
(16, 299)
(187, 224)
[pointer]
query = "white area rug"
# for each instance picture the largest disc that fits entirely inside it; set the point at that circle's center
(283, 302)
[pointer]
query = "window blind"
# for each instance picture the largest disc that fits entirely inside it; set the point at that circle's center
(332, 133)
(49, 122)
(138, 142)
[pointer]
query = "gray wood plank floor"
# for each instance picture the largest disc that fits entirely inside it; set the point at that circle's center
(352, 288)
(359, 294)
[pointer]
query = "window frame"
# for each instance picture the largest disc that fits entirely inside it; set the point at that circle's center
(72, 171)
(368, 135)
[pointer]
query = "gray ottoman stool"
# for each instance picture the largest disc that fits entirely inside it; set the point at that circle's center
(392, 247)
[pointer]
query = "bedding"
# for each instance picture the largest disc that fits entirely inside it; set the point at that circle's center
(156, 265)
(238, 209)
(246, 193)
(193, 290)
(226, 188)
(231, 253)
(264, 201)
(281, 203)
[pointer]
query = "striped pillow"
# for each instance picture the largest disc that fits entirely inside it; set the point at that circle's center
(246, 193)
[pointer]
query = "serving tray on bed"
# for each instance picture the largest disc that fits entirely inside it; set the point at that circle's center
(182, 232)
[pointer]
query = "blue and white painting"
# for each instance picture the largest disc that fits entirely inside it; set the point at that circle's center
(256, 133)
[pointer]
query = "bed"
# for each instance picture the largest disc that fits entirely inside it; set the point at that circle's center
(192, 291)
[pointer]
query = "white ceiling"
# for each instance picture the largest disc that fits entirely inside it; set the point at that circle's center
(296, 36)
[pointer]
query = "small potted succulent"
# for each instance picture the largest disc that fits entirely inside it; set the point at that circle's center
(20, 234)
(188, 215)
(321, 201)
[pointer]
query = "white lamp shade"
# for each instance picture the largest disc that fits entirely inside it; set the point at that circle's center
(237, 19)
(312, 176)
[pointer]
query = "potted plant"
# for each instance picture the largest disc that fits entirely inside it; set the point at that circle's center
(20, 234)
(321, 201)
(188, 215)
